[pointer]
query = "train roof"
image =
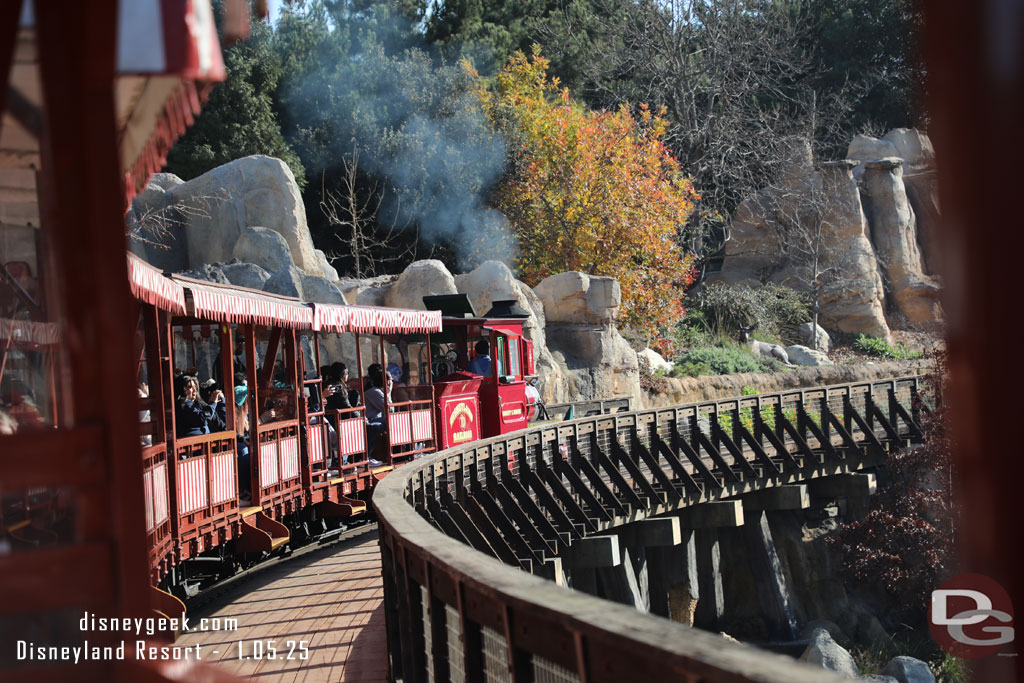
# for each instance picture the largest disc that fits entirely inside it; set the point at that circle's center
(182, 295)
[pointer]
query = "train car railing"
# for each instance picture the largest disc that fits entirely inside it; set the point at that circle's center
(411, 429)
(458, 528)
(353, 463)
(279, 466)
(159, 528)
(206, 483)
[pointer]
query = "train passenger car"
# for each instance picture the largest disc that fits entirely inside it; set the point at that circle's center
(241, 455)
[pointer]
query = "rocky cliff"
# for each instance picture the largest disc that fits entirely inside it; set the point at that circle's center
(876, 213)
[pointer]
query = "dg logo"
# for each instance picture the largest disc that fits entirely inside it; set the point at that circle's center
(971, 616)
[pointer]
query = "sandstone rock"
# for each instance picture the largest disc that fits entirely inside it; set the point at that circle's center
(819, 337)
(827, 654)
(419, 279)
(802, 355)
(913, 146)
(576, 297)
(265, 247)
(366, 292)
(751, 254)
(325, 266)
(866, 148)
(875, 678)
(894, 232)
(655, 361)
(255, 190)
(246, 275)
(165, 181)
(287, 282)
(923, 193)
(321, 290)
(856, 303)
(908, 670)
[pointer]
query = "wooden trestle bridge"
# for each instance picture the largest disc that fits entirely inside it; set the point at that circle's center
(475, 541)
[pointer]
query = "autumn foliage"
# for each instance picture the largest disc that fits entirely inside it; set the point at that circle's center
(593, 191)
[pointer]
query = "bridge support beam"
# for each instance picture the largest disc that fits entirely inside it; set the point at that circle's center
(854, 488)
(769, 578)
(777, 498)
(702, 602)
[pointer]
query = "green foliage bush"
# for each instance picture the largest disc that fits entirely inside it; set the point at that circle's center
(722, 360)
(873, 346)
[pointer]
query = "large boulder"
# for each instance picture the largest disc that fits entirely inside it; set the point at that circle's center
(325, 266)
(165, 181)
(828, 654)
(419, 279)
(368, 292)
(914, 295)
(287, 282)
(807, 357)
(211, 272)
(246, 275)
(908, 670)
(158, 230)
(265, 247)
(575, 297)
(255, 190)
(913, 146)
(923, 194)
(321, 290)
(814, 336)
(654, 361)
(866, 148)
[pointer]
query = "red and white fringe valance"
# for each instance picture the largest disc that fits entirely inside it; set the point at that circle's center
(231, 305)
(150, 286)
(20, 332)
(374, 320)
(179, 112)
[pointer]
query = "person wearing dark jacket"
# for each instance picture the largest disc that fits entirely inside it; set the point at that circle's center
(192, 415)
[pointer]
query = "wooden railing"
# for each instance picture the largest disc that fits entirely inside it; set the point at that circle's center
(411, 429)
(206, 484)
(155, 486)
(278, 466)
(458, 529)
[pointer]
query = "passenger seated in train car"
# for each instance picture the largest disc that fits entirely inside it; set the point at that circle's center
(399, 394)
(211, 393)
(242, 441)
(348, 398)
(377, 399)
(192, 414)
(481, 365)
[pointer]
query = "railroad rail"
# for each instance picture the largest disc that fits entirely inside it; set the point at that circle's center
(471, 536)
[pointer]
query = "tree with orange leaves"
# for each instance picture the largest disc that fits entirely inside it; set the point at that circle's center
(593, 191)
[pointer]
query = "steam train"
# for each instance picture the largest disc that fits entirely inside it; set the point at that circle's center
(309, 469)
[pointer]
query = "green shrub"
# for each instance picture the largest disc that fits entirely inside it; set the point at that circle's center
(873, 346)
(722, 360)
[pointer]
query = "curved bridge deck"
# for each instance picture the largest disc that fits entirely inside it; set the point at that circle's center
(531, 503)
(330, 599)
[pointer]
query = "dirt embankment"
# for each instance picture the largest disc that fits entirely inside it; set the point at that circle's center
(674, 391)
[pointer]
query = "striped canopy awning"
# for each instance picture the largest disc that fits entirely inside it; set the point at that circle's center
(374, 320)
(19, 332)
(228, 304)
(150, 286)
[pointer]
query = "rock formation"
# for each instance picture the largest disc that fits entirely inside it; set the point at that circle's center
(877, 220)
(894, 233)
(581, 311)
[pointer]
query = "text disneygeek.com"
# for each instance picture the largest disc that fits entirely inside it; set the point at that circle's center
(142, 649)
